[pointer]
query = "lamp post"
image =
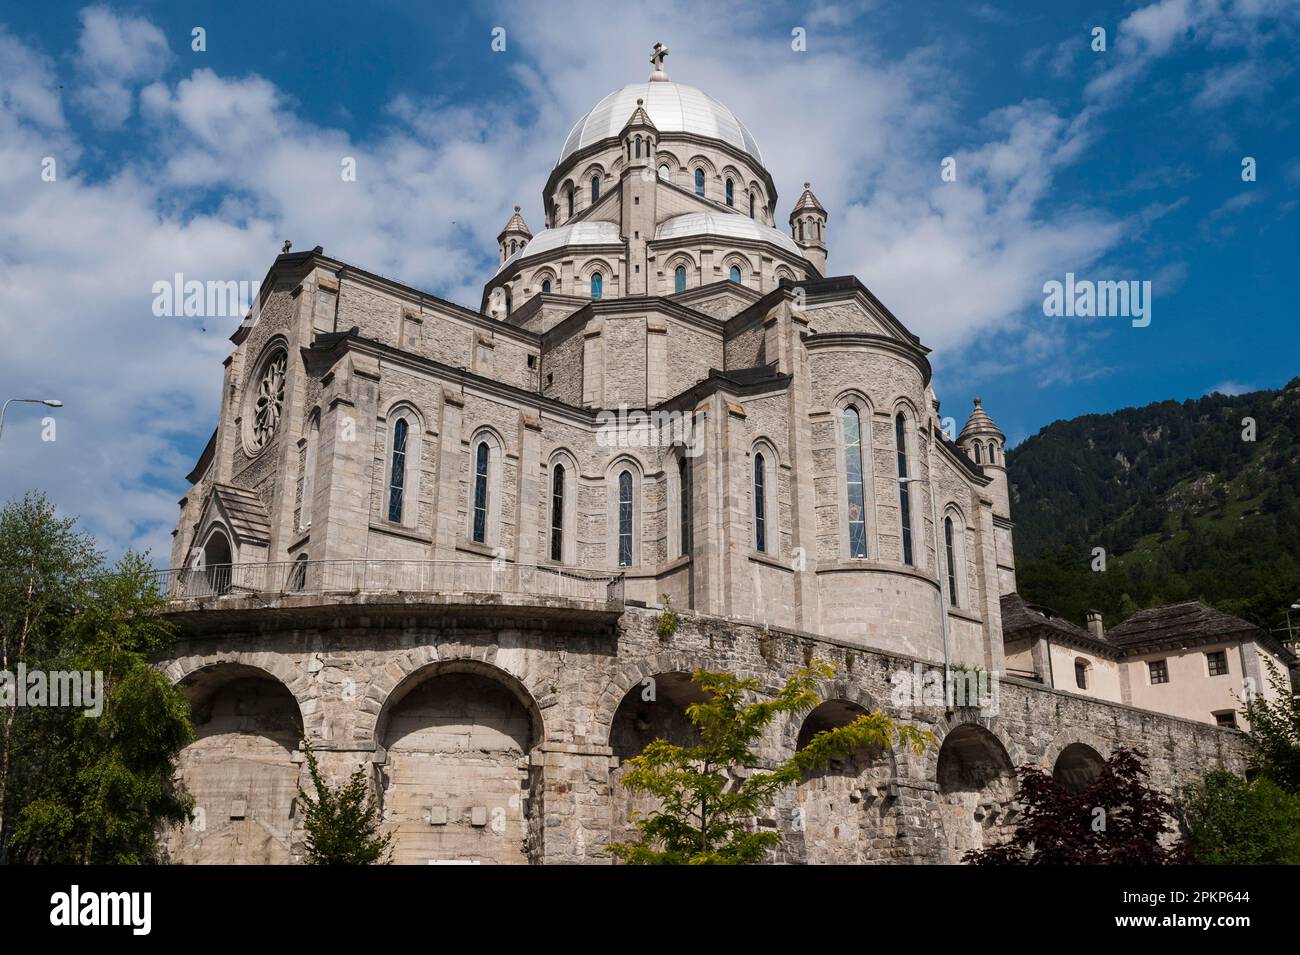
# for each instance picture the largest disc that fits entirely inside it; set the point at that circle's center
(48, 402)
(1290, 634)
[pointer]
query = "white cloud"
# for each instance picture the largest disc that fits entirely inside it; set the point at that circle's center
(116, 54)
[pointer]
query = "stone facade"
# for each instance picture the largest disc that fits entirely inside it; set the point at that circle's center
(432, 541)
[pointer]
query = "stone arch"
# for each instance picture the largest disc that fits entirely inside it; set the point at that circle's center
(458, 781)
(544, 274)
(976, 781)
(242, 767)
(1077, 767)
(740, 261)
(1083, 742)
(219, 556)
(685, 260)
(632, 675)
(844, 812)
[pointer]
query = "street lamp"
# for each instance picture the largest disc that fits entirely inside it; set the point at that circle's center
(48, 402)
(1290, 634)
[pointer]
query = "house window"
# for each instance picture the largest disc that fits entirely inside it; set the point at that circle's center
(1218, 661)
(1226, 718)
(625, 519)
(734, 275)
(1159, 670)
(481, 492)
(597, 285)
(557, 513)
(684, 501)
(595, 189)
(857, 510)
(952, 561)
(731, 194)
(1081, 674)
(699, 182)
(760, 505)
(679, 279)
(904, 489)
(397, 479)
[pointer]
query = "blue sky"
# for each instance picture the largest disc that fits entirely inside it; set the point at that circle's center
(1123, 164)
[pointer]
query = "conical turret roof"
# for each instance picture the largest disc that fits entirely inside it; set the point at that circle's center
(979, 423)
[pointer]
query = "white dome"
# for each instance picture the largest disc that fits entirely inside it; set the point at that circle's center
(575, 233)
(673, 108)
(727, 225)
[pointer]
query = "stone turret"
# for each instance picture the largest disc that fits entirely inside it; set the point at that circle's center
(985, 444)
(514, 236)
(808, 227)
(640, 189)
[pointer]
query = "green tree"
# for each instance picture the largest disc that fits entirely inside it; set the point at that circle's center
(708, 793)
(342, 823)
(97, 788)
(1229, 821)
(1274, 735)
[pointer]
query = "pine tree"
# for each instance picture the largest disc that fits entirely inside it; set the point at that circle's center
(342, 824)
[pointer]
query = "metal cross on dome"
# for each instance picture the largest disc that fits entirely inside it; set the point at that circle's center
(657, 57)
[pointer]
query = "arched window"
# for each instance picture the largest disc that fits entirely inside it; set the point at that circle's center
(557, 513)
(760, 504)
(481, 455)
(597, 285)
(684, 501)
(1081, 673)
(510, 303)
(800, 230)
(904, 488)
(679, 279)
(638, 147)
(731, 193)
(993, 452)
(569, 197)
(751, 205)
(664, 172)
(546, 285)
(853, 471)
(735, 274)
(699, 182)
(952, 561)
(625, 519)
(297, 581)
(978, 456)
(595, 189)
(397, 474)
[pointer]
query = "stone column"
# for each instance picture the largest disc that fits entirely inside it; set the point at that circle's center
(575, 804)
(446, 526)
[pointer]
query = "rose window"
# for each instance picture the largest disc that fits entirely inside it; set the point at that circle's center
(269, 401)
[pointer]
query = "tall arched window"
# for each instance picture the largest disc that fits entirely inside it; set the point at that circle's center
(664, 172)
(510, 302)
(397, 475)
(760, 504)
(679, 279)
(684, 501)
(952, 561)
(731, 193)
(557, 513)
(597, 285)
(638, 147)
(800, 230)
(625, 519)
(546, 285)
(978, 456)
(853, 470)
(904, 489)
(309, 472)
(699, 182)
(569, 197)
(481, 492)
(735, 274)
(751, 205)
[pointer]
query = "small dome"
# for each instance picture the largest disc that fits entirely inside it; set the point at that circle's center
(979, 423)
(575, 233)
(729, 225)
(672, 107)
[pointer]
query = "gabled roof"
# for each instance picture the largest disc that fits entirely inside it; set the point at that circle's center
(244, 511)
(1021, 619)
(1187, 622)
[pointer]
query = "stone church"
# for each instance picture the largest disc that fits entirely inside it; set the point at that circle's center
(440, 544)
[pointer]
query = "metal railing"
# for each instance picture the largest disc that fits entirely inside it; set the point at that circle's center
(387, 576)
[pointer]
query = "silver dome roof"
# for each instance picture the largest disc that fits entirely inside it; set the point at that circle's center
(673, 108)
(575, 233)
(727, 225)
